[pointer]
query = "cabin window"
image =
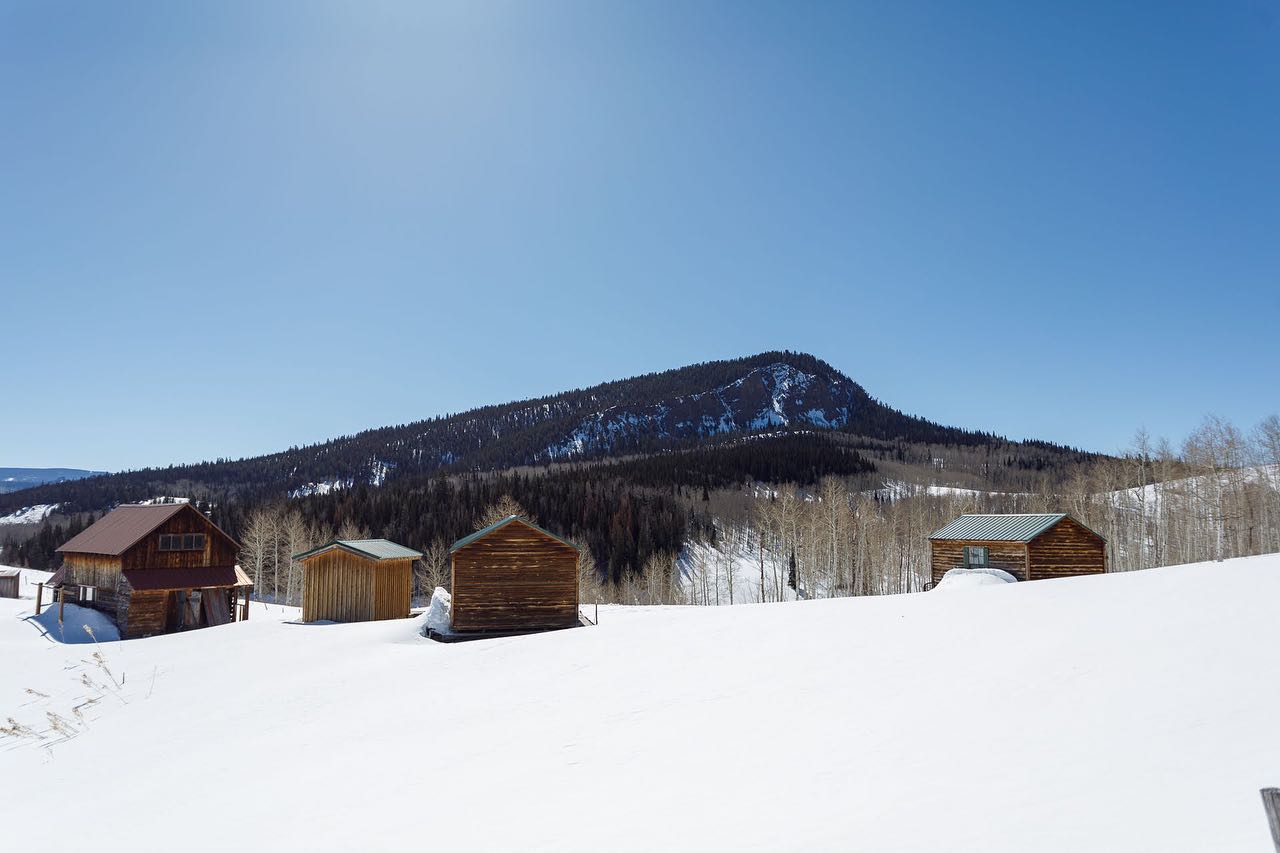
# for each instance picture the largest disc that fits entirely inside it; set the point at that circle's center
(975, 556)
(182, 542)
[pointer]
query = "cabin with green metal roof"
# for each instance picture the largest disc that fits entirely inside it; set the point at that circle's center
(357, 580)
(1029, 546)
(513, 576)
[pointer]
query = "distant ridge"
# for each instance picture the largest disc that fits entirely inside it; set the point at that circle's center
(13, 479)
(684, 408)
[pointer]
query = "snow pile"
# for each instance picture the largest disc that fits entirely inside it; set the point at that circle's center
(438, 613)
(1122, 712)
(29, 514)
(966, 578)
(79, 625)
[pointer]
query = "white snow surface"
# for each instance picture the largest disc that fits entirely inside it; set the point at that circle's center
(1125, 712)
(29, 514)
(438, 612)
(965, 578)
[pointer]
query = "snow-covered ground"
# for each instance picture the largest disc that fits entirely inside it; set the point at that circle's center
(1127, 712)
(707, 572)
(29, 514)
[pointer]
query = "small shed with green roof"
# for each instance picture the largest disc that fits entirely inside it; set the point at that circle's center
(357, 580)
(513, 576)
(1029, 546)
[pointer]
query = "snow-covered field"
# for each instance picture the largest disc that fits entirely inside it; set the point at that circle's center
(1123, 712)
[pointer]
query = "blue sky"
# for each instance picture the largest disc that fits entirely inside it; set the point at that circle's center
(228, 228)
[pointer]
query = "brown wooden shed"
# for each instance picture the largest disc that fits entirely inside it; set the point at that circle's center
(1027, 546)
(357, 580)
(10, 583)
(513, 576)
(154, 569)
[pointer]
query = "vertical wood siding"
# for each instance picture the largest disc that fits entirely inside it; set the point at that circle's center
(515, 578)
(218, 550)
(344, 587)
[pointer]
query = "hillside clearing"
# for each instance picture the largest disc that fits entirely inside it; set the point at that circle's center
(1120, 712)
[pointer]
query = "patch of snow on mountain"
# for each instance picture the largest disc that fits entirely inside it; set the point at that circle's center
(727, 409)
(29, 514)
(324, 488)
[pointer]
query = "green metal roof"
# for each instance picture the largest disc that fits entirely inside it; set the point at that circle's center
(999, 528)
(374, 549)
(485, 531)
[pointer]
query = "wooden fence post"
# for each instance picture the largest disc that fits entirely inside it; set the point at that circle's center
(1271, 802)
(39, 594)
(62, 599)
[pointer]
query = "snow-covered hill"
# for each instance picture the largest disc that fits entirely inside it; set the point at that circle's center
(1110, 713)
(775, 395)
(29, 514)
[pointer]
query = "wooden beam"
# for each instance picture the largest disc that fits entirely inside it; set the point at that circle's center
(39, 595)
(62, 600)
(1271, 802)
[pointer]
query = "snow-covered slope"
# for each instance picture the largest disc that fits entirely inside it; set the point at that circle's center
(1111, 713)
(29, 514)
(775, 395)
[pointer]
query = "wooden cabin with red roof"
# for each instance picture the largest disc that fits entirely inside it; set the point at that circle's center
(155, 569)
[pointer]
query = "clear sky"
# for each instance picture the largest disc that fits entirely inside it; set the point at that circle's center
(227, 228)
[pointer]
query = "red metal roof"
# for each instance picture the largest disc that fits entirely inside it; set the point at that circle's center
(198, 578)
(125, 526)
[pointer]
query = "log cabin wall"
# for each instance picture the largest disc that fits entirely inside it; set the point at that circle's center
(948, 554)
(1066, 550)
(514, 578)
(338, 586)
(146, 614)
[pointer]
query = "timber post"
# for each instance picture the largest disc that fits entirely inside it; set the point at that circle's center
(39, 595)
(1271, 802)
(62, 600)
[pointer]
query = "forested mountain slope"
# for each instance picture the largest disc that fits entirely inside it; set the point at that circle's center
(677, 409)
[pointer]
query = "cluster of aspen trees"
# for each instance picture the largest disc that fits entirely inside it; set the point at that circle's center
(1216, 496)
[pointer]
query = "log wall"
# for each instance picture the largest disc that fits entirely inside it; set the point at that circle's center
(515, 578)
(948, 554)
(1066, 550)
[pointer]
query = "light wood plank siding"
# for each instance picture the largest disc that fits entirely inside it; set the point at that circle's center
(515, 578)
(343, 587)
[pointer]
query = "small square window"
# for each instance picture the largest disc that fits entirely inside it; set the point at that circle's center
(975, 556)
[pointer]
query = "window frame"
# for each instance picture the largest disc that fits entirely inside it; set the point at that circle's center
(971, 563)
